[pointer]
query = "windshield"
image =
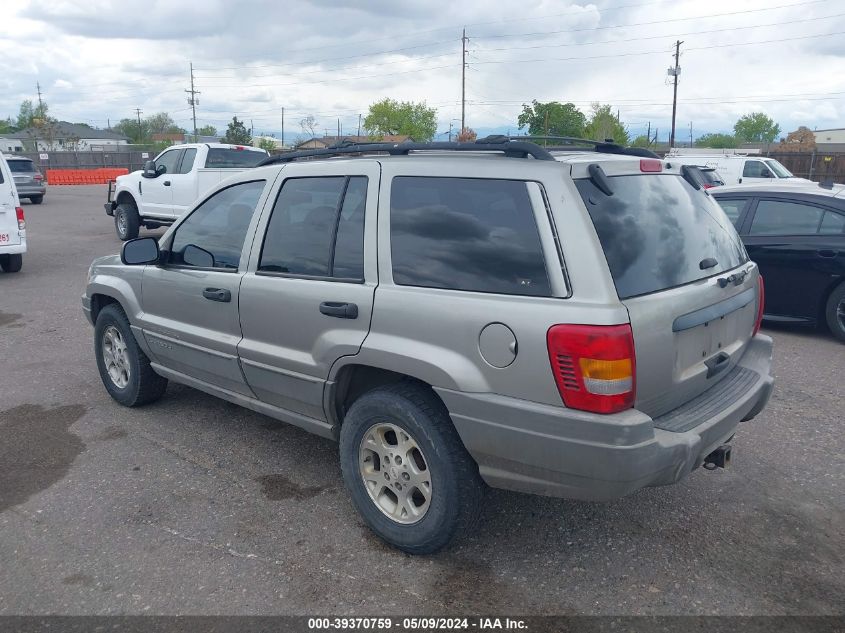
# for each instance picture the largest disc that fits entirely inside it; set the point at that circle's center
(657, 232)
(21, 166)
(711, 176)
(780, 170)
(222, 158)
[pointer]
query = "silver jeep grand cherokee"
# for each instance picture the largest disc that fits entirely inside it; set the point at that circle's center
(580, 322)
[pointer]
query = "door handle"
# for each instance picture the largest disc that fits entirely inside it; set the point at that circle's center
(166, 183)
(217, 294)
(826, 253)
(339, 310)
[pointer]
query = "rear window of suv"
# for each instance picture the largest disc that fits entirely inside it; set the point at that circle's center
(222, 158)
(21, 166)
(656, 230)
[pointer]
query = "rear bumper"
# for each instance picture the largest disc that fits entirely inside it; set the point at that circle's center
(24, 191)
(560, 452)
(13, 249)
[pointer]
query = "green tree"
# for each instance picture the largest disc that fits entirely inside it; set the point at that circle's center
(388, 116)
(267, 144)
(207, 130)
(29, 114)
(6, 126)
(604, 124)
(129, 127)
(756, 128)
(162, 123)
(236, 133)
(641, 141)
(717, 141)
(552, 119)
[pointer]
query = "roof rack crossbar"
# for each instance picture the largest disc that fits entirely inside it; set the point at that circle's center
(515, 149)
(607, 146)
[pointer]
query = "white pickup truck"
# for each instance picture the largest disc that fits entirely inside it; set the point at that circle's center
(167, 186)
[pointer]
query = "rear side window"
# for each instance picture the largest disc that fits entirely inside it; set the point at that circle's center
(466, 234)
(224, 157)
(188, 161)
(217, 228)
(21, 166)
(732, 208)
(778, 217)
(656, 230)
(317, 228)
(832, 223)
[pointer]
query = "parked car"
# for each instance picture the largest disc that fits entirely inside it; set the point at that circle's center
(710, 178)
(796, 234)
(170, 184)
(453, 314)
(28, 179)
(735, 168)
(12, 222)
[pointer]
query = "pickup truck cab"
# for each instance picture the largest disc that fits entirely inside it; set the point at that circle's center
(167, 186)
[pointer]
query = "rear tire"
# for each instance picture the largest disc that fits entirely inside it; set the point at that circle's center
(124, 368)
(835, 312)
(11, 263)
(36, 199)
(126, 221)
(406, 469)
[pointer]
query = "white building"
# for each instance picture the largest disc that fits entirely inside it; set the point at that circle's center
(56, 136)
(833, 135)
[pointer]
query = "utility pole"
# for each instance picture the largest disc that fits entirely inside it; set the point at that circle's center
(140, 131)
(464, 40)
(283, 128)
(40, 103)
(338, 127)
(648, 134)
(546, 128)
(690, 133)
(251, 128)
(359, 127)
(674, 73)
(193, 101)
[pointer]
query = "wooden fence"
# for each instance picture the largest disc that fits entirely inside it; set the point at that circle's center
(818, 166)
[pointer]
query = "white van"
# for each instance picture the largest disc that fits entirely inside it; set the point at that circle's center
(12, 224)
(735, 167)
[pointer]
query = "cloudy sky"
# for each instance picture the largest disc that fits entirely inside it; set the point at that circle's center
(98, 60)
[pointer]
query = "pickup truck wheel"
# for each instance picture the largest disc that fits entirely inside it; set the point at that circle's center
(36, 199)
(126, 221)
(124, 368)
(407, 470)
(835, 312)
(11, 263)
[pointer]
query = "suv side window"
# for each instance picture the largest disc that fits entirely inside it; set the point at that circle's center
(832, 223)
(168, 160)
(732, 208)
(218, 227)
(188, 160)
(317, 228)
(755, 169)
(466, 234)
(778, 217)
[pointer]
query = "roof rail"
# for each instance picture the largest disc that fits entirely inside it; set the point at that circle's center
(607, 146)
(510, 148)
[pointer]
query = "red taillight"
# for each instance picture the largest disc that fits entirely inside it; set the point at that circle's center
(239, 148)
(21, 220)
(708, 185)
(761, 302)
(38, 177)
(650, 165)
(594, 366)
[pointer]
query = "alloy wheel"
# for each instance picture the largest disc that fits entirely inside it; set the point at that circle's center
(116, 357)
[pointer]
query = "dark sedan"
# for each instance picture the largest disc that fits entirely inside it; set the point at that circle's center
(796, 234)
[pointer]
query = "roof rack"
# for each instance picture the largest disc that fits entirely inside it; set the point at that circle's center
(515, 149)
(607, 146)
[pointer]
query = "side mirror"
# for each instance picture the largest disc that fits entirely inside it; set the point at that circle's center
(196, 256)
(150, 169)
(142, 250)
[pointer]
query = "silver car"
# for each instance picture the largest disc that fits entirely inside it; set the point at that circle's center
(579, 323)
(29, 180)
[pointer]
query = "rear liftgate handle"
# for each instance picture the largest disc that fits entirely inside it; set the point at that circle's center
(339, 310)
(717, 364)
(217, 294)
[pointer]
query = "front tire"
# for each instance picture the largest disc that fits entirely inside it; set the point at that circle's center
(124, 368)
(11, 263)
(835, 312)
(36, 199)
(127, 222)
(406, 469)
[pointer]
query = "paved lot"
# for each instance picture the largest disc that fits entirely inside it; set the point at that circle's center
(193, 505)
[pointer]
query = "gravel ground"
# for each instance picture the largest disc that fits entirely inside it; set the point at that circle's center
(196, 506)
